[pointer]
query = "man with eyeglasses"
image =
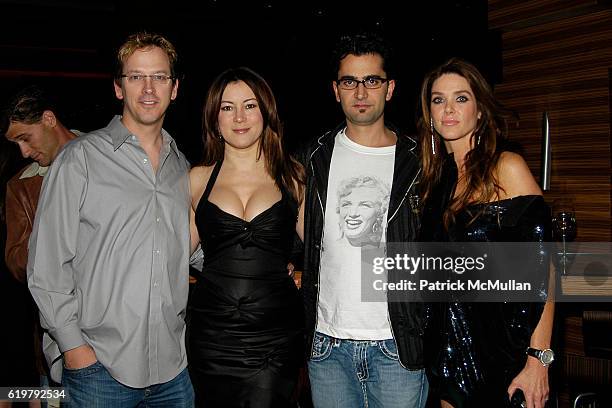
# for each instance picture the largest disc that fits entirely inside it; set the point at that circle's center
(362, 354)
(109, 253)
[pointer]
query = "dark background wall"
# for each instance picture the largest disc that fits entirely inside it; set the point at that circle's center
(70, 46)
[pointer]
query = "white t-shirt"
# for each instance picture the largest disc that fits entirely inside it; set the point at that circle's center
(358, 192)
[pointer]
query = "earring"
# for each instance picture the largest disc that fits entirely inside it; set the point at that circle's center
(478, 140)
(433, 142)
(377, 225)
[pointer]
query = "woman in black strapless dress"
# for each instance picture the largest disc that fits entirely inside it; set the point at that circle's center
(245, 330)
(474, 191)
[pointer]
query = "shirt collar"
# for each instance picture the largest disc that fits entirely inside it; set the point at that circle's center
(170, 141)
(34, 169)
(119, 134)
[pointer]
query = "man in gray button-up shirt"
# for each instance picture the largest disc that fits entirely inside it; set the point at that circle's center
(109, 252)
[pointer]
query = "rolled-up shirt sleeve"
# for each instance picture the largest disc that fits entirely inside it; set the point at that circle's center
(52, 279)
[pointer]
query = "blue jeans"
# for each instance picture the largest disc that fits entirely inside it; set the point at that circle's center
(366, 374)
(93, 387)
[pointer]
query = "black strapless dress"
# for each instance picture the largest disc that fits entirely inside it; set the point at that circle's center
(245, 331)
(482, 347)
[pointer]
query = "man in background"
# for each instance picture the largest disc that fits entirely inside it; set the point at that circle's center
(31, 121)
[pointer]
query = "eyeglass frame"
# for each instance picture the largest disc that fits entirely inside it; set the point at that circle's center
(363, 82)
(145, 76)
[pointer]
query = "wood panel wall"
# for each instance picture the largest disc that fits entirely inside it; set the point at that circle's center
(557, 57)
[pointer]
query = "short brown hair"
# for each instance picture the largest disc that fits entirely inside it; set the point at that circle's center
(27, 106)
(140, 40)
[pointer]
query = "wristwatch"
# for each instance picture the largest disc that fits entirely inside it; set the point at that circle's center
(546, 356)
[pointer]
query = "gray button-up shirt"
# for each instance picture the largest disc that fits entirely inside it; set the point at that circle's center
(109, 255)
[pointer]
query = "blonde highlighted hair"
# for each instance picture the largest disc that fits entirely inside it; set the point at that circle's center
(144, 40)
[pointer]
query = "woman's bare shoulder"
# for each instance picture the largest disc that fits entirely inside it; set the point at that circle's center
(198, 178)
(514, 177)
(200, 171)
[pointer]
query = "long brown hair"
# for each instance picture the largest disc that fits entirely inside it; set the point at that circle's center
(285, 170)
(480, 162)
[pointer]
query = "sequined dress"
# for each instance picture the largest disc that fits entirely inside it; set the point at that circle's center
(482, 347)
(245, 331)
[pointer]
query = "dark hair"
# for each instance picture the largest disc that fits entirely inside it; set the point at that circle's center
(362, 44)
(27, 106)
(480, 162)
(285, 170)
(144, 40)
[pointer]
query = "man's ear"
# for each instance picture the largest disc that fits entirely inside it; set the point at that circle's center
(390, 89)
(49, 119)
(118, 90)
(174, 89)
(336, 92)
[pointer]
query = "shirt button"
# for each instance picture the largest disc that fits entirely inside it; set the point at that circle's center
(157, 219)
(156, 252)
(145, 161)
(155, 284)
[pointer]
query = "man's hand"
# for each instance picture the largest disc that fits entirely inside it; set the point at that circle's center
(80, 357)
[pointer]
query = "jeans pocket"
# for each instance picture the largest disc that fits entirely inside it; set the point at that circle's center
(321, 347)
(83, 371)
(389, 349)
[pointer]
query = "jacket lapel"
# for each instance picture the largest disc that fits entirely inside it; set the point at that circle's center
(321, 163)
(405, 171)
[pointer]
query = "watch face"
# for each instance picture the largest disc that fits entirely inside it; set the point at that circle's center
(547, 356)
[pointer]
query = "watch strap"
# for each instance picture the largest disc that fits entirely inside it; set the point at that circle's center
(533, 352)
(539, 354)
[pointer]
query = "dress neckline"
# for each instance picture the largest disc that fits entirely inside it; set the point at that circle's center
(209, 187)
(252, 220)
(507, 200)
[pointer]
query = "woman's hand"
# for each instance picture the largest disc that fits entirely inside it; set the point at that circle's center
(533, 381)
(291, 269)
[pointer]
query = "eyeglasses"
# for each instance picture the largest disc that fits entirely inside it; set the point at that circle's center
(370, 82)
(139, 78)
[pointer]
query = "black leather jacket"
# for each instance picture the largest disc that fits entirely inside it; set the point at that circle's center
(407, 319)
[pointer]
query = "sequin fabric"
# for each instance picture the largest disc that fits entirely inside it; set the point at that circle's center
(480, 347)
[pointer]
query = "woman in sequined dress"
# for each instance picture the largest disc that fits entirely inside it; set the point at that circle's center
(475, 190)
